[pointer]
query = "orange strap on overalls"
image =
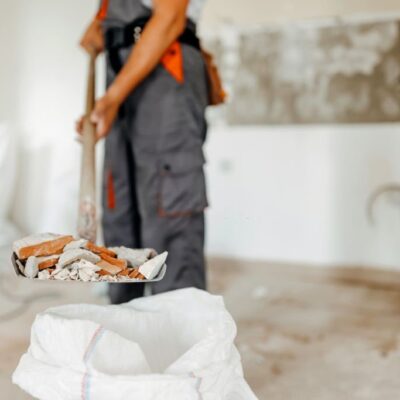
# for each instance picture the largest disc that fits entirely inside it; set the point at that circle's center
(172, 61)
(102, 13)
(110, 191)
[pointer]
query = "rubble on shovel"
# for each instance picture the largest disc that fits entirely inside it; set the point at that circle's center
(61, 257)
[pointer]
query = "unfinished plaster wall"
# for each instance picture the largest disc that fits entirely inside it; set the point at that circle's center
(311, 72)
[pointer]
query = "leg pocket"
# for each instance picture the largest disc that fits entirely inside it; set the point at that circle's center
(182, 184)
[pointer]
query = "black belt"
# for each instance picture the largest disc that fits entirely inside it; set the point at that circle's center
(119, 38)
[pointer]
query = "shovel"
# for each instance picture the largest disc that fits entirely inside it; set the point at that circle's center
(87, 215)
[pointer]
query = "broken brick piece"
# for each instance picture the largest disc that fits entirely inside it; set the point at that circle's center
(47, 248)
(48, 263)
(114, 261)
(103, 272)
(140, 276)
(134, 273)
(124, 272)
(110, 268)
(100, 250)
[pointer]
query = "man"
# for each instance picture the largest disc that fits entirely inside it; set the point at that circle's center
(152, 116)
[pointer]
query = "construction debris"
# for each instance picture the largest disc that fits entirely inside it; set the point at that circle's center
(150, 268)
(61, 257)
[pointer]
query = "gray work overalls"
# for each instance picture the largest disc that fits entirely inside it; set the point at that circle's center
(154, 190)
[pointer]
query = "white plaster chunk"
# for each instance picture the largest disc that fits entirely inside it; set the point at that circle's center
(151, 268)
(61, 274)
(74, 266)
(89, 271)
(58, 268)
(45, 274)
(73, 274)
(73, 255)
(31, 267)
(87, 265)
(84, 275)
(134, 257)
(76, 244)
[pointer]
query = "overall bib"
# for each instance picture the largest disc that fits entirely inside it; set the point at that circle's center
(154, 191)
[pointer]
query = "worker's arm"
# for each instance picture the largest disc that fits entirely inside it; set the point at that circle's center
(164, 27)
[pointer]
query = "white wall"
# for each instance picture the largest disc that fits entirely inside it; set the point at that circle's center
(47, 98)
(299, 193)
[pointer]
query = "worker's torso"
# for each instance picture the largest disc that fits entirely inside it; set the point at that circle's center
(161, 93)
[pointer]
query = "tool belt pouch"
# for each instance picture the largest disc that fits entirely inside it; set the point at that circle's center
(216, 91)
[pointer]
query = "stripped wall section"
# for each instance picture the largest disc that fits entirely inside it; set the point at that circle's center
(335, 72)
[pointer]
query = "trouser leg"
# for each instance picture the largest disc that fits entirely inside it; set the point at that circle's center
(121, 220)
(172, 218)
(183, 238)
(133, 226)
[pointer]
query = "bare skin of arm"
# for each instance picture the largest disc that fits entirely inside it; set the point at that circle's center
(166, 24)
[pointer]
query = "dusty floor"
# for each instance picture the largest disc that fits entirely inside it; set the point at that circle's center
(304, 333)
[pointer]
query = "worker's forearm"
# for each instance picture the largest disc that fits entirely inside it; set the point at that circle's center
(158, 35)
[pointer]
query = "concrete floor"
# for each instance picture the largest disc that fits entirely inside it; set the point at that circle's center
(304, 333)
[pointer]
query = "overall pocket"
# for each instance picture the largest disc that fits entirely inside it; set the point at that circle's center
(182, 184)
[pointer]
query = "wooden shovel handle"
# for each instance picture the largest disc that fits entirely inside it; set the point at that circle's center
(87, 217)
(91, 85)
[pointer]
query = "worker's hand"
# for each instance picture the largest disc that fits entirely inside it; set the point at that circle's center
(93, 38)
(103, 116)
